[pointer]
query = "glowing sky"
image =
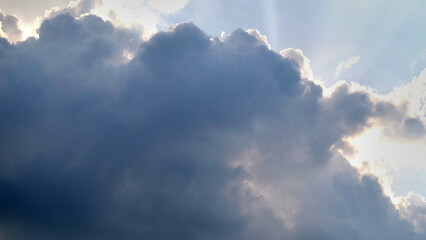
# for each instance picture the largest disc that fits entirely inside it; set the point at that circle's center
(367, 57)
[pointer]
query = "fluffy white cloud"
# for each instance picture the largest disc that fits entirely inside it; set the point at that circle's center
(413, 208)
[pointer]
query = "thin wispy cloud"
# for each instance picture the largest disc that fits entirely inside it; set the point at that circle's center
(345, 65)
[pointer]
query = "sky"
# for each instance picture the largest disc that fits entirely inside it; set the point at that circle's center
(196, 119)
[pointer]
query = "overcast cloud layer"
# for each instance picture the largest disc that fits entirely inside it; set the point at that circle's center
(194, 138)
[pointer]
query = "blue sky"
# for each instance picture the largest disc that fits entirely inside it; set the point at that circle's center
(198, 119)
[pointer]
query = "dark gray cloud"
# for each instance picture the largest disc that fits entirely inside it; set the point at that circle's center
(414, 128)
(194, 138)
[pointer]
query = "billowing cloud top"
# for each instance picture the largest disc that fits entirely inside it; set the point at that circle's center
(9, 27)
(195, 138)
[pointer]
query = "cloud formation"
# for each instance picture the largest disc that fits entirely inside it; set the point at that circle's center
(195, 138)
(9, 26)
(344, 66)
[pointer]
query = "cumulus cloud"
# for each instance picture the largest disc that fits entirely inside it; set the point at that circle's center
(79, 7)
(302, 61)
(196, 137)
(10, 26)
(412, 93)
(413, 208)
(75, 8)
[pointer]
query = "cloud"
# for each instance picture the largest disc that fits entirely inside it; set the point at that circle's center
(147, 15)
(413, 94)
(413, 208)
(195, 138)
(10, 27)
(418, 64)
(344, 66)
(79, 7)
